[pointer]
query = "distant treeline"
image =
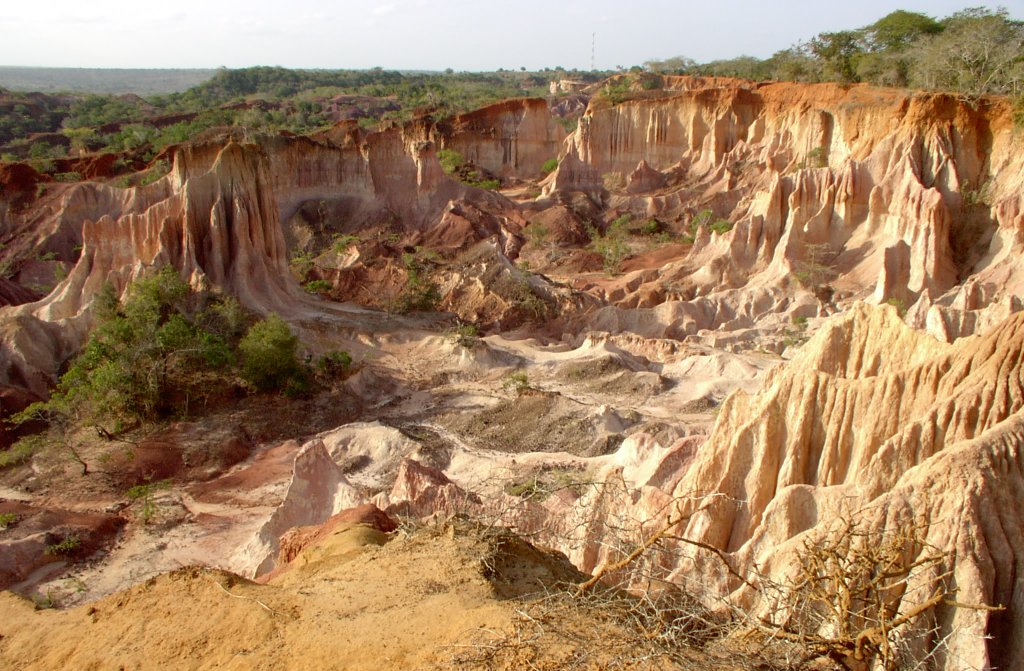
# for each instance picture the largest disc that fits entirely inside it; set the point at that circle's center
(973, 52)
(96, 80)
(44, 127)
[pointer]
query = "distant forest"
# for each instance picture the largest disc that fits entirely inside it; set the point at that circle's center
(970, 53)
(97, 80)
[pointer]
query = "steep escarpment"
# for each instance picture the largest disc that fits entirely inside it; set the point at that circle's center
(909, 193)
(512, 138)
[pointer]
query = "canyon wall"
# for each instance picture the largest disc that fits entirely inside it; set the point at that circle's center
(911, 193)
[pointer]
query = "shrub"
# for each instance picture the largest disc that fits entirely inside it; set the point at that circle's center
(419, 292)
(537, 233)
(702, 218)
(721, 226)
(159, 169)
(451, 160)
(813, 272)
(489, 184)
(569, 124)
(517, 382)
(145, 493)
(332, 364)
(7, 520)
(22, 450)
(269, 356)
(899, 304)
(64, 548)
(651, 227)
(518, 291)
(465, 335)
(549, 166)
(317, 286)
(301, 264)
(612, 246)
(342, 242)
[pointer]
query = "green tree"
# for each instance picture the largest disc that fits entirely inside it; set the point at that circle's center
(145, 358)
(138, 356)
(900, 29)
(838, 53)
(450, 160)
(980, 52)
(793, 65)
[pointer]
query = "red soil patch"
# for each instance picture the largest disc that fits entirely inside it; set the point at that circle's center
(33, 538)
(273, 465)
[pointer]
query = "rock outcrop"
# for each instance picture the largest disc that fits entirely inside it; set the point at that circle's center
(893, 428)
(920, 190)
(512, 138)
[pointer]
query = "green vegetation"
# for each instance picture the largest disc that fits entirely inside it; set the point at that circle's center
(318, 287)
(651, 227)
(817, 158)
(269, 357)
(450, 160)
(612, 246)
(547, 481)
(144, 493)
(261, 99)
(516, 382)
(899, 304)
(22, 450)
(549, 166)
(537, 233)
(158, 353)
(978, 197)
(617, 90)
(721, 226)
(332, 365)
(143, 357)
(155, 172)
(465, 335)
(814, 272)
(7, 520)
(420, 293)
(102, 80)
(342, 242)
(454, 165)
(518, 291)
(973, 52)
(65, 547)
(569, 124)
(301, 264)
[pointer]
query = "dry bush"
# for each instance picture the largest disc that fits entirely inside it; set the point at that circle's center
(855, 597)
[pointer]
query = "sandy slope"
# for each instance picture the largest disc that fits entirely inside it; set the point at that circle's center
(440, 597)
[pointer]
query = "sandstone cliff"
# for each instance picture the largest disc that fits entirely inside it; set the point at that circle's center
(909, 193)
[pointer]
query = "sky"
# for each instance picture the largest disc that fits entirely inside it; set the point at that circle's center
(471, 35)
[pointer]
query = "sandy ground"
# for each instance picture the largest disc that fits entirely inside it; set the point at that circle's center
(436, 598)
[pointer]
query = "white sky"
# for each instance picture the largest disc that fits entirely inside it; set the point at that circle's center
(422, 34)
